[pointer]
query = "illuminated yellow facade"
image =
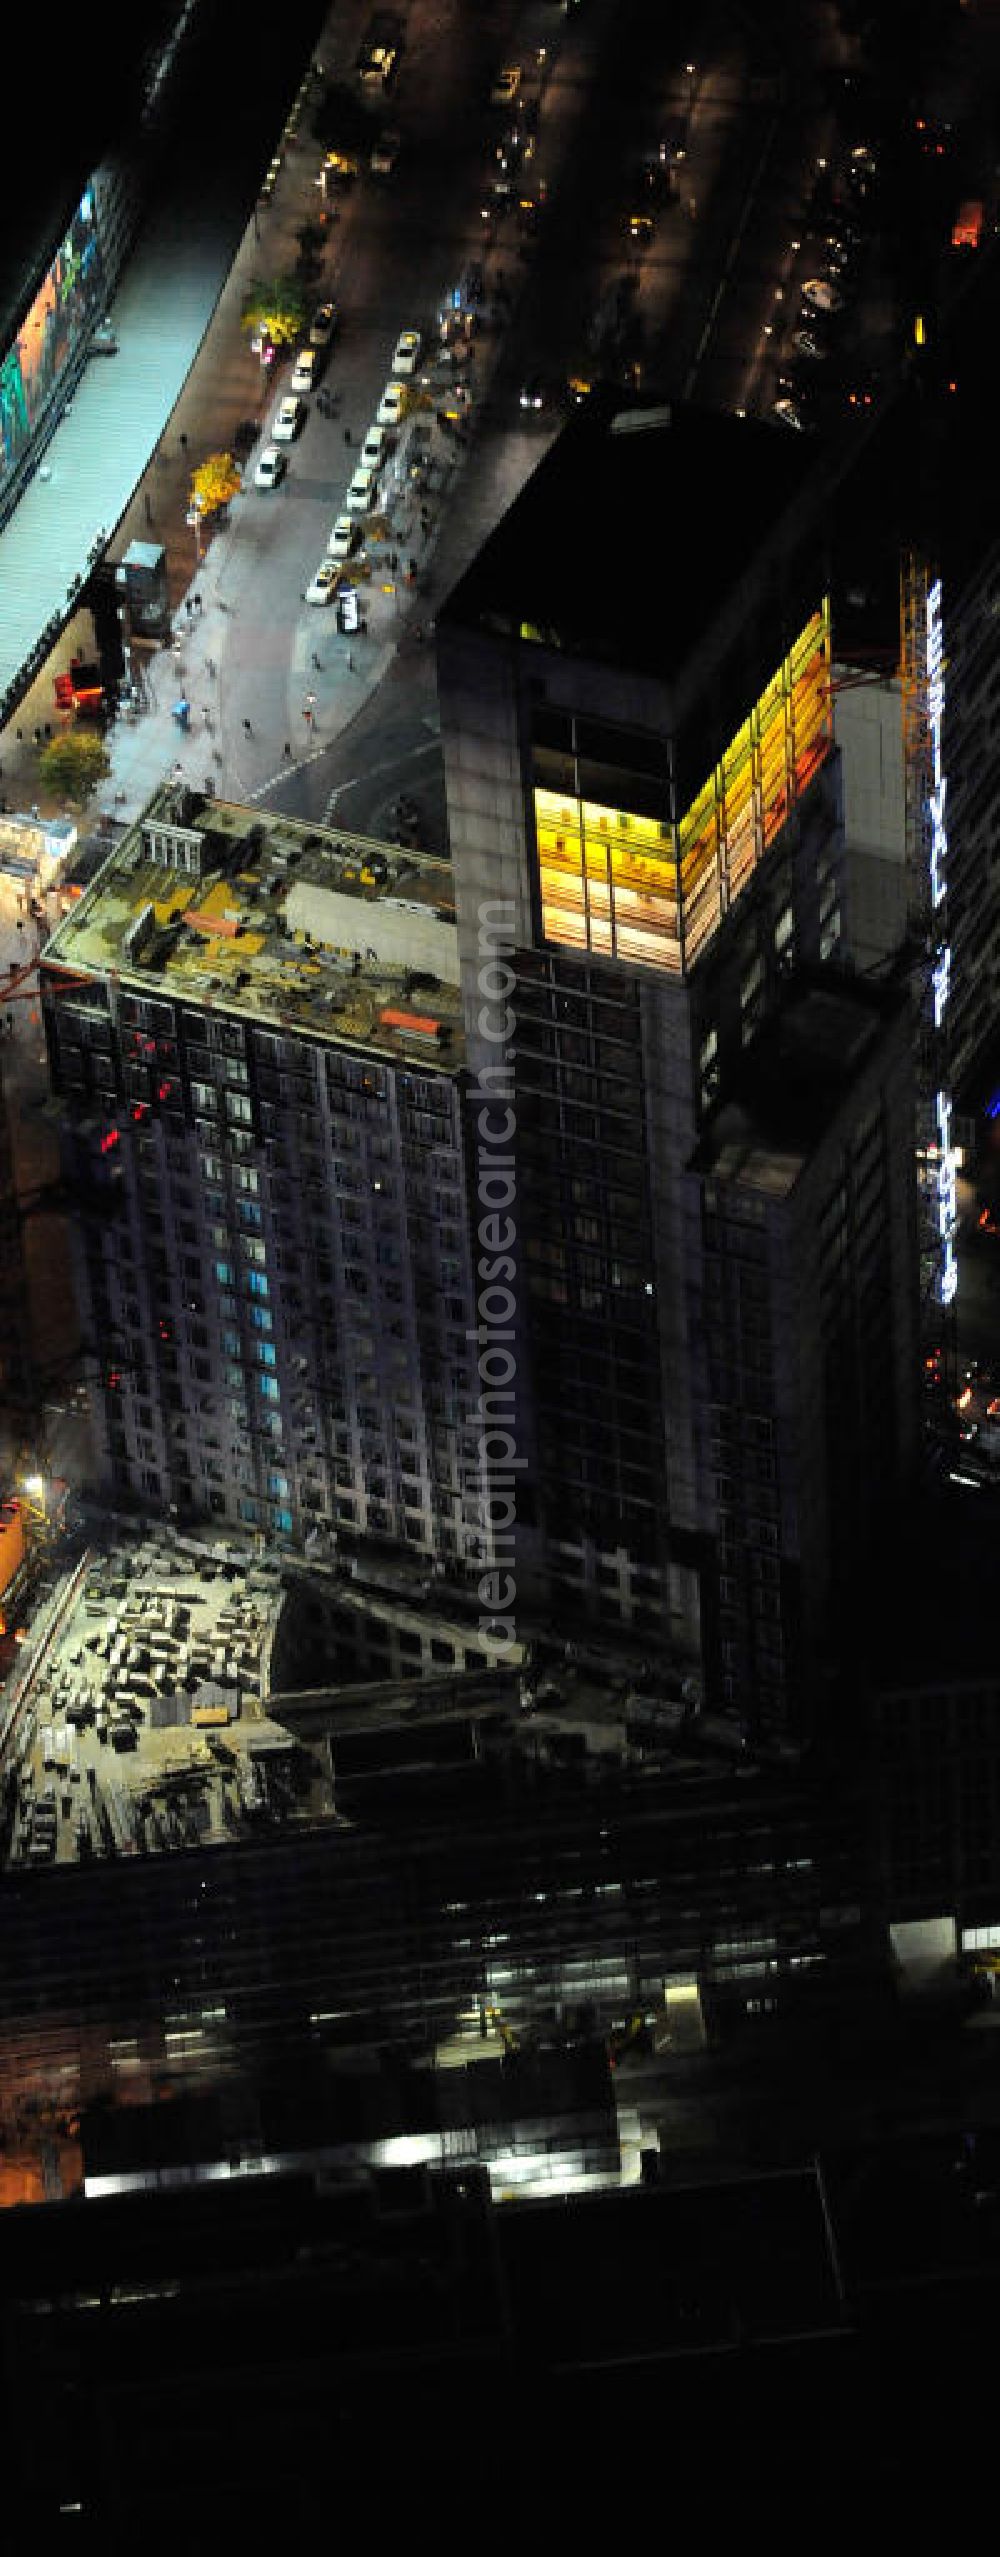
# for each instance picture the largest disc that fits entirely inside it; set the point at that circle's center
(642, 888)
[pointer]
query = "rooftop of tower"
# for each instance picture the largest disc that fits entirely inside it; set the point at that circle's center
(635, 536)
(238, 909)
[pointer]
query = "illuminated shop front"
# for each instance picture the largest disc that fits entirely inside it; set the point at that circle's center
(642, 888)
(69, 300)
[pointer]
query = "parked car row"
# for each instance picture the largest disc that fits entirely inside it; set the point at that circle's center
(511, 149)
(290, 415)
(362, 492)
(839, 209)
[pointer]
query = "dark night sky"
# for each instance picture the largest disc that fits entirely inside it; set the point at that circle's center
(86, 89)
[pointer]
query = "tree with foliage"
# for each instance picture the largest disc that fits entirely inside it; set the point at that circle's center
(215, 481)
(276, 309)
(74, 764)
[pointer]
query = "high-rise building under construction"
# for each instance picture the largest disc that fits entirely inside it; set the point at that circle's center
(256, 1037)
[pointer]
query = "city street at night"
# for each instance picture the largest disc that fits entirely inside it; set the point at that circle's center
(499, 1267)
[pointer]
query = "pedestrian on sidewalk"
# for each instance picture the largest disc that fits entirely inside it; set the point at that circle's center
(347, 434)
(188, 606)
(317, 662)
(210, 666)
(286, 749)
(247, 730)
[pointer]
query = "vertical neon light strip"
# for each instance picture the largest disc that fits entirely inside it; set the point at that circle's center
(947, 1158)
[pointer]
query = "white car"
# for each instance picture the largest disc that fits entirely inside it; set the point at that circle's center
(341, 539)
(287, 420)
(323, 586)
(373, 449)
(304, 376)
(392, 404)
(270, 467)
(822, 294)
(323, 325)
(506, 85)
(407, 355)
(361, 493)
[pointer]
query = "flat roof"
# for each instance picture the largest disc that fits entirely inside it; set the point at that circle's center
(792, 1080)
(346, 939)
(630, 538)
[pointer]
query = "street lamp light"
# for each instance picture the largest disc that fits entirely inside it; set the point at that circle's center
(195, 514)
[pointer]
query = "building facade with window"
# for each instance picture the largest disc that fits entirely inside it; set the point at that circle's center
(261, 1091)
(644, 793)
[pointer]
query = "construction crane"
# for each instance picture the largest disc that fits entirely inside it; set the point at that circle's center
(16, 990)
(47, 1197)
(15, 983)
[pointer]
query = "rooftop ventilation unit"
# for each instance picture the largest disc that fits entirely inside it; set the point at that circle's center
(638, 421)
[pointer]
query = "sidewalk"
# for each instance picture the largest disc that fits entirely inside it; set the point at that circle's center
(225, 748)
(328, 677)
(148, 745)
(272, 686)
(221, 390)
